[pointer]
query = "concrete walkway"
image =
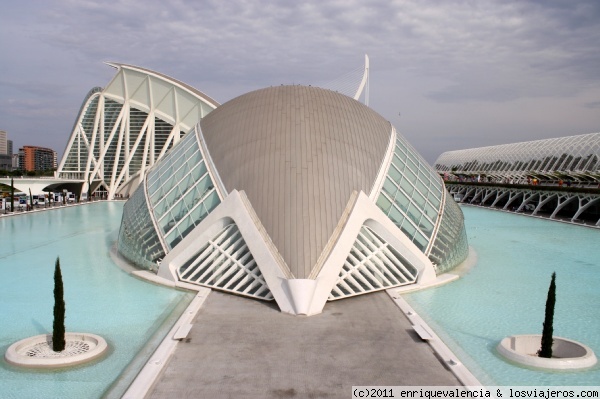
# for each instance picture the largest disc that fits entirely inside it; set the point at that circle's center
(242, 348)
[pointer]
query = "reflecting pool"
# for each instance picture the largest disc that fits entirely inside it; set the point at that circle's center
(505, 294)
(132, 315)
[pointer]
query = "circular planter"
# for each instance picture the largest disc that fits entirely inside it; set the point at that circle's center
(566, 354)
(36, 352)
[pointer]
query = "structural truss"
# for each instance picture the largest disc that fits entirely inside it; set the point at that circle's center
(123, 129)
(552, 203)
(574, 157)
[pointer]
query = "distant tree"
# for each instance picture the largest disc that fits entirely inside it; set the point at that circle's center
(547, 341)
(58, 327)
(12, 194)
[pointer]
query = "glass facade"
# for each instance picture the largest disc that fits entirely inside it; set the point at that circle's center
(138, 241)
(411, 194)
(450, 246)
(412, 197)
(181, 191)
(177, 195)
(76, 159)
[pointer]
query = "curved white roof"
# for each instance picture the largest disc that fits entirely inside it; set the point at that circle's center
(298, 152)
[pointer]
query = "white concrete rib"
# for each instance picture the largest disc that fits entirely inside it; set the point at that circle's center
(150, 373)
(449, 359)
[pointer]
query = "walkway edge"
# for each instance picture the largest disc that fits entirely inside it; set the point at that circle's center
(143, 384)
(447, 357)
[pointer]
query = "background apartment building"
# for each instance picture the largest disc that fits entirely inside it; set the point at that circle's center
(36, 159)
(6, 149)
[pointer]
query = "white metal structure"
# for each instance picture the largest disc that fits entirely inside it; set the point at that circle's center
(576, 207)
(353, 83)
(372, 265)
(296, 194)
(572, 158)
(225, 262)
(123, 129)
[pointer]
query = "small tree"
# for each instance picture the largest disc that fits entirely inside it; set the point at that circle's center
(547, 341)
(12, 194)
(58, 328)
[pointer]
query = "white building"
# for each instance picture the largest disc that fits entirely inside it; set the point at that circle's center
(124, 128)
(295, 194)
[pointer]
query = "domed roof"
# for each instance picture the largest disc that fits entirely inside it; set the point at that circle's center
(299, 153)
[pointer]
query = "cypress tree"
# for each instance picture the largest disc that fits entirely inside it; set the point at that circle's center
(547, 341)
(58, 328)
(12, 195)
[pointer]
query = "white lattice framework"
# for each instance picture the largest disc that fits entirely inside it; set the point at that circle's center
(517, 199)
(124, 129)
(576, 157)
(226, 263)
(372, 265)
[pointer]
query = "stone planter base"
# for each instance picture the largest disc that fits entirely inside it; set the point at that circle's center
(566, 354)
(36, 352)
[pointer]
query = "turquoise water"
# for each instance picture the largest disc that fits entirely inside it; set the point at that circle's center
(100, 298)
(505, 294)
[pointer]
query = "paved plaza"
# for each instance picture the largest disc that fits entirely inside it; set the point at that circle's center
(242, 348)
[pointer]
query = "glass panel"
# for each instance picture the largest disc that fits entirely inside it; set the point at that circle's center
(422, 187)
(435, 200)
(138, 241)
(407, 186)
(394, 174)
(431, 212)
(199, 171)
(203, 186)
(396, 216)
(212, 201)
(383, 203)
(398, 162)
(418, 199)
(408, 229)
(198, 214)
(402, 201)
(420, 241)
(185, 225)
(450, 246)
(170, 199)
(410, 176)
(426, 226)
(390, 188)
(414, 213)
(190, 198)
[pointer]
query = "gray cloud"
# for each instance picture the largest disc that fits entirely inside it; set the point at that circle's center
(437, 57)
(593, 105)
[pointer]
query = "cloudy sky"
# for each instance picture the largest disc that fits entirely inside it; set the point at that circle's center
(448, 74)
